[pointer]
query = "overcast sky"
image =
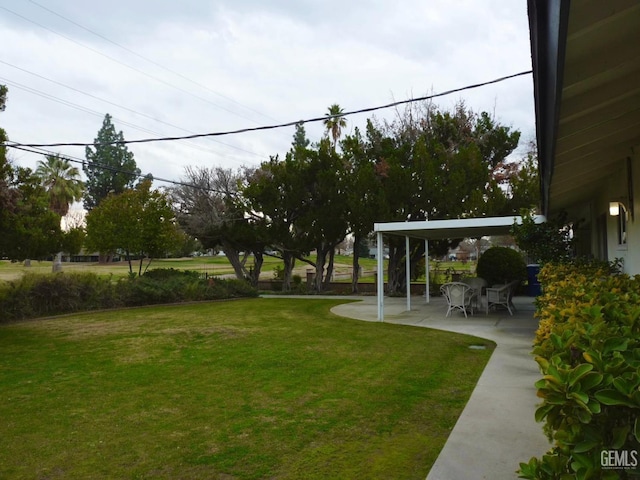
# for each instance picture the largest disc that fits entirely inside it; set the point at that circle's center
(168, 68)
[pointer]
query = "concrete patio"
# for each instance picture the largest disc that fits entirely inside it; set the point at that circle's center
(496, 430)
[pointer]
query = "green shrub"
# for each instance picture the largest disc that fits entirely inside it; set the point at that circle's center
(501, 265)
(42, 295)
(588, 350)
(177, 286)
(230, 288)
(164, 273)
(145, 290)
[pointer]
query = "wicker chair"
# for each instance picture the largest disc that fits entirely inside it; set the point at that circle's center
(459, 296)
(502, 295)
(478, 285)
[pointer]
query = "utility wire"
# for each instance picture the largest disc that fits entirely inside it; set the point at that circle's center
(90, 111)
(118, 120)
(150, 60)
(288, 124)
(101, 166)
(51, 97)
(127, 66)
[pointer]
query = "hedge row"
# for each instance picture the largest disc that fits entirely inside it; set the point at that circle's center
(35, 296)
(588, 350)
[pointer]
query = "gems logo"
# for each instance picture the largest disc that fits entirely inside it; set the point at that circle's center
(619, 459)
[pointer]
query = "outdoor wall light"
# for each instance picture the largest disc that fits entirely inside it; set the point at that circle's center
(615, 207)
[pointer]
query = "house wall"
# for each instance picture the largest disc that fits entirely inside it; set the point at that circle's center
(616, 187)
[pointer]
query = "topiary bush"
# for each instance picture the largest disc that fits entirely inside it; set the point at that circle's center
(588, 350)
(501, 265)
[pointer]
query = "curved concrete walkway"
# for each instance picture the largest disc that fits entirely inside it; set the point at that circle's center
(496, 430)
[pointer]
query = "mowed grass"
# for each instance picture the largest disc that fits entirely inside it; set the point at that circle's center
(249, 389)
(214, 265)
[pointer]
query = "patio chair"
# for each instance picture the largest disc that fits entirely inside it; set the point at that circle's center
(459, 296)
(502, 295)
(478, 285)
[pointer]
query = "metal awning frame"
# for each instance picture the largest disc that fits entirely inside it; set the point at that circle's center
(432, 230)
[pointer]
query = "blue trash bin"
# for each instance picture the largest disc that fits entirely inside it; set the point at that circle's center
(532, 279)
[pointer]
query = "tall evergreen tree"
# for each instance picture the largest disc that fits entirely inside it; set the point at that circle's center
(110, 166)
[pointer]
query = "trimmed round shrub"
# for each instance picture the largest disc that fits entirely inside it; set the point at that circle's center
(501, 265)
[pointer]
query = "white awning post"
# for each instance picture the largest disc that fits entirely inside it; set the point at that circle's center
(380, 279)
(407, 267)
(426, 269)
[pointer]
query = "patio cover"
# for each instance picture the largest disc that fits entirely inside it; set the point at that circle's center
(434, 230)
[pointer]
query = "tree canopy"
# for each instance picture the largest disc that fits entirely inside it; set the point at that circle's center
(437, 165)
(334, 123)
(61, 181)
(30, 230)
(138, 222)
(427, 163)
(209, 208)
(110, 166)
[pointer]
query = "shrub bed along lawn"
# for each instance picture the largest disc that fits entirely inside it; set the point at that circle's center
(259, 388)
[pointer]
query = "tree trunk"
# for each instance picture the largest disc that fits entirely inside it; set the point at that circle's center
(327, 278)
(254, 274)
(321, 259)
(356, 264)
(234, 259)
(289, 262)
(396, 272)
(129, 260)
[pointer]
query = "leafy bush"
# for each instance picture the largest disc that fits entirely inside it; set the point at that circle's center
(550, 241)
(164, 273)
(501, 265)
(588, 350)
(42, 295)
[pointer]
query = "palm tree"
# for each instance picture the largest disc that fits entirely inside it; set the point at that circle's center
(61, 181)
(335, 122)
(64, 187)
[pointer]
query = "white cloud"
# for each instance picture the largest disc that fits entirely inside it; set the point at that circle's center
(246, 63)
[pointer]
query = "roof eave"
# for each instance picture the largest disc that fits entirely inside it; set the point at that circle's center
(548, 20)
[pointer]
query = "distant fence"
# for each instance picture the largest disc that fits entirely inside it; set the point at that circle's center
(341, 288)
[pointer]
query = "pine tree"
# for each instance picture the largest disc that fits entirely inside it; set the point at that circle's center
(110, 166)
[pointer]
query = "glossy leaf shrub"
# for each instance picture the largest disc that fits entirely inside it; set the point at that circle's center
(588, 350)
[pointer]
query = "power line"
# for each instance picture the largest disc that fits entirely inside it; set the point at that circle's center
(88, 110)
(288, 124)
(127, 66)
(73, 105)
(149, 60)
(101, 166)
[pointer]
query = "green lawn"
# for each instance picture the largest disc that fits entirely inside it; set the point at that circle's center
(217, 265)
(261, 388)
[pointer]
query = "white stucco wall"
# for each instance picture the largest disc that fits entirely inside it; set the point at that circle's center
(615, 188)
